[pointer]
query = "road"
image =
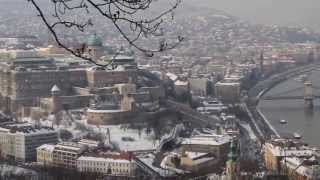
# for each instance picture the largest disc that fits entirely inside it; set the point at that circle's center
(194, 115)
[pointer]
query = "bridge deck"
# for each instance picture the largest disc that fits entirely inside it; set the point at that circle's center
(269, 98)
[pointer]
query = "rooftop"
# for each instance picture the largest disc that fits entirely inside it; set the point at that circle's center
(98, 155)
(211, 140)
(70, 146)
(55, 88)
(308, 167)
(24, 128)
(46, 147)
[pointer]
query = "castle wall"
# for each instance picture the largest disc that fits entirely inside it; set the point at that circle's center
(109, 117)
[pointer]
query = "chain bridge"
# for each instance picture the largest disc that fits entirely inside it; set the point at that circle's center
(308, 96)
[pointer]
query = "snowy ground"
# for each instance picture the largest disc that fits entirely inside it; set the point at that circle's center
(139, 140)
(9, 171)
(250, 132)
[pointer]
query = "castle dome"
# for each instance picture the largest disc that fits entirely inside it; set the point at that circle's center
(94, 40)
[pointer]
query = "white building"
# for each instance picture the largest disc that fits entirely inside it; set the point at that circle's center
(114, 164)
(20, 140)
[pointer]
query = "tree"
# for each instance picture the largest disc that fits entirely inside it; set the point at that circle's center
(65, 135)
(122, 14)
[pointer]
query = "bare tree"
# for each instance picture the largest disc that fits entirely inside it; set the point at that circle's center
(122, 14)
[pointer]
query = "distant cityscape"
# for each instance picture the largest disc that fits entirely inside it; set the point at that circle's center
(187, 113)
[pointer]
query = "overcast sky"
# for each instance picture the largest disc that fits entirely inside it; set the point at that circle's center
(285, 12)
(281, 12)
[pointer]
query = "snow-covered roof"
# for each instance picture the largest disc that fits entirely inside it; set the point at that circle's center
(105, 110)
(203, 160)
(148, 161)
(46, 147)
(25, 129)
(212, 140)
(70, 146)
(181, 83)
(296, 163)
(278, 151)
(55, 88)
(172, 76)
(194, 155)
(219, 108)
(89, 143)
(102, 159)
(227, 84)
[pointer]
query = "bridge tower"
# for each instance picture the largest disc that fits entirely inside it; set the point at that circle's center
(308, 95)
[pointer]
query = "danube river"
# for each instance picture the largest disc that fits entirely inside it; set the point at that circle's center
(300, 120)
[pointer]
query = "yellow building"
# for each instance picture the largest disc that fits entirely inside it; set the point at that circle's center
(65, 154)
(45, 154)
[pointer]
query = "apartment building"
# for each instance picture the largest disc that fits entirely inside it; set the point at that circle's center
(19, 140)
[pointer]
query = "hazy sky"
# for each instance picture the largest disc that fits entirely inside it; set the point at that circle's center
(283, 12)
(286, 12)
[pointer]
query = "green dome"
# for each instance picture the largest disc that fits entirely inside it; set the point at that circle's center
(94, 40)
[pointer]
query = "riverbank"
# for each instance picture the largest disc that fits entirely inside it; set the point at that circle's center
(263, 87)
(299, 120)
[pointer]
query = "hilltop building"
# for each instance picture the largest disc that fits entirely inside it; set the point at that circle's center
(31, 84)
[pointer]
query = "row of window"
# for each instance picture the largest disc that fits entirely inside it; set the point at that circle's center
(93, 163)
(58, 153)
(105, 170)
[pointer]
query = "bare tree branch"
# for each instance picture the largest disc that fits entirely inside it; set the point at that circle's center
(121, 13)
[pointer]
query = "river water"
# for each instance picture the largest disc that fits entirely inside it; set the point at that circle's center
(301, 120)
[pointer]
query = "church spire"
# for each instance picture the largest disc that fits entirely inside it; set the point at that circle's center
(232, 165)
(232, 155)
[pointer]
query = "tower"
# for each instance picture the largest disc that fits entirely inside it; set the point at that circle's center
(261, 63)
(232, 165)
(95, 47)
(56, 102)
(308, 95)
